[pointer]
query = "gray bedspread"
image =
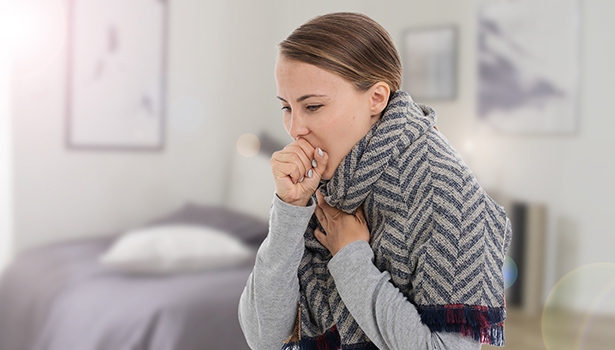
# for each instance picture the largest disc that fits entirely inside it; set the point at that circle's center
(59, 297)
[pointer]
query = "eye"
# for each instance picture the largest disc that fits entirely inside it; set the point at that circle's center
(285, 109)
(313, 108)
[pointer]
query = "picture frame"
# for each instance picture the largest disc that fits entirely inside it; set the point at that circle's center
(429, 60)
(116, 75)
(528, 66)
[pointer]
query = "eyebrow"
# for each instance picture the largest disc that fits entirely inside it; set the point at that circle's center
(303, 98)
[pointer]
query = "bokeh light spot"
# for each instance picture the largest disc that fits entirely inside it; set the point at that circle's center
(186, 114)
(35, 37)
(248, 145)
(510, 272)
(579, 312)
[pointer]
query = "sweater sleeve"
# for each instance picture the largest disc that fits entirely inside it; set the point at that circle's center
(380, 309)
(268, 304)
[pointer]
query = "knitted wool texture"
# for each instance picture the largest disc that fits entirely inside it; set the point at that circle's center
(433, 228)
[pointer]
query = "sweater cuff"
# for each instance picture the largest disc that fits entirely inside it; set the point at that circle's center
(289, 215)
(350, 259)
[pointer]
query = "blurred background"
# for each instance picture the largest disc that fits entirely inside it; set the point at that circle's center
(209, 89)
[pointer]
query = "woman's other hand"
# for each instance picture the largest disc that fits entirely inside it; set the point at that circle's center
(341, 228)
(297, 170)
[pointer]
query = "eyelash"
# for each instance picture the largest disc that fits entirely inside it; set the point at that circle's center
(311, 108)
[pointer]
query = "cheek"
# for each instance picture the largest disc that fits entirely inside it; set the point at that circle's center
(345, 132)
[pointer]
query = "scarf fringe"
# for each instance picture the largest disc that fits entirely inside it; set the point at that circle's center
(485, 324)
(330, 340)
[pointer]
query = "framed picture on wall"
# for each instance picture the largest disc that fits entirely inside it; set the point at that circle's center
(116, 74)
(429, 60)
(528, 66)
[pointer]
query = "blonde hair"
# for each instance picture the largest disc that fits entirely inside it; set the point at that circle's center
(351, 45)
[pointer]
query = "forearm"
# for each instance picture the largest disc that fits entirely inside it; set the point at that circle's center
(380, 309)
(268, 304)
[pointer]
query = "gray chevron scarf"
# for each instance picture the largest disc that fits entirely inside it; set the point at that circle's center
(433, 228)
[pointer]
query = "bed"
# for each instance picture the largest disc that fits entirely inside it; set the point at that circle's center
(60, 297)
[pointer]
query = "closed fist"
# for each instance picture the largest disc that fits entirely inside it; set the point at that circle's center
(297, 170)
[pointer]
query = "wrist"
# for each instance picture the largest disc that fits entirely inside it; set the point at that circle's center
(296, 202)
(351, 254)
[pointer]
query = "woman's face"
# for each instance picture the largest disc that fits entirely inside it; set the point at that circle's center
(325, 109)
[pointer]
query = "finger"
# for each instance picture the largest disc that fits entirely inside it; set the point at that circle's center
(295, 153)
(306, 147)
(321, 216)
(321, 237)
(316, 168)
(360, 214)
(305, 150)
(321, 159)
(285, 169)
(290, 155)
(323, 205)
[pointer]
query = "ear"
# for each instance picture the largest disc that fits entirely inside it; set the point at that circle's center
(379, 97)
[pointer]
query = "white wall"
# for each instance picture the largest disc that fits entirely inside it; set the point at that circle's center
(6, 166)
(215, 55)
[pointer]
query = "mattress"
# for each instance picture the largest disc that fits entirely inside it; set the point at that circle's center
(59, 297)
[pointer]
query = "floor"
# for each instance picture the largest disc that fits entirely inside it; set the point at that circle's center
(562, 331)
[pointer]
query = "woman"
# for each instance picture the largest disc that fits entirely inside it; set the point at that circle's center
(380, 236)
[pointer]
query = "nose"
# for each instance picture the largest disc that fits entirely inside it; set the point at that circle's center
(297, 126)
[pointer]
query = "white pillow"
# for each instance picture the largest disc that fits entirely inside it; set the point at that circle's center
(175, 248)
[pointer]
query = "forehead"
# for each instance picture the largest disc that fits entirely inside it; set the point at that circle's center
(296, 77)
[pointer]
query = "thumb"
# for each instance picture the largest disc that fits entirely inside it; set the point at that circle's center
(360, 214)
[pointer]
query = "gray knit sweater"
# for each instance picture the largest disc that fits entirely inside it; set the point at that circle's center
(268, 305)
